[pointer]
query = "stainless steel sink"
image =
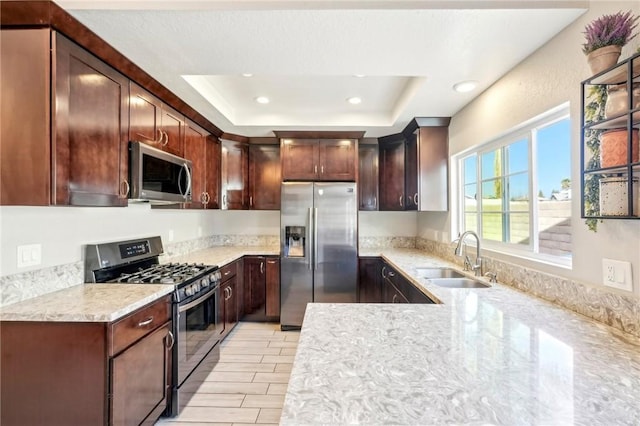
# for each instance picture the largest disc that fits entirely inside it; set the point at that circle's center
(431, 273)
(459, 283)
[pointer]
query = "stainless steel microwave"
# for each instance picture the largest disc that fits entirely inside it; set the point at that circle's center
(158, 176)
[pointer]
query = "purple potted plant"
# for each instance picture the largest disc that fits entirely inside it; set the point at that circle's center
(605, 37)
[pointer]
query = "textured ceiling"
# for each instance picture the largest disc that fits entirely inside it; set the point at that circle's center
(304, 55)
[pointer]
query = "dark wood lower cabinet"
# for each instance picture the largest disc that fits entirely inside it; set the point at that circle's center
(378, 282)
(261, 288)
(75, 373)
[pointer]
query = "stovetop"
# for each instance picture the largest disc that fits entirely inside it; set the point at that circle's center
(168, 273)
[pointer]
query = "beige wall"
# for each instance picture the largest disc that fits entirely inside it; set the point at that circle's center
(547, 78)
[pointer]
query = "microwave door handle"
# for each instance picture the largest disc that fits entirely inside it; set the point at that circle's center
(186, 168)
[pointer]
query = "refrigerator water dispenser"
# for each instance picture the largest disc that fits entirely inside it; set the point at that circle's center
(294, 241)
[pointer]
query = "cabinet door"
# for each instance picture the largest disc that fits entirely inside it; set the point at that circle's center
(145, 115)
(140, 379)
(411, 173)
(212, 186)
(264, 177)
(370, 280)
(337, 160)
(25, 140)
(235, 175)
(254, 287)
(195, 150)
(173, 127)
(434, 169)
(90, 117)
(392, 175)
(300, 159)
(273, 288)
(368, 177)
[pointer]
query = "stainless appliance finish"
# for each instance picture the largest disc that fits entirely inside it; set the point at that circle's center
(319, 246)
(158, 176)
(197, 321)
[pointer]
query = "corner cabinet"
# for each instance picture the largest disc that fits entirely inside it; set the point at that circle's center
(610, 163)
(368, 177)
(264, 177)
(235, 175)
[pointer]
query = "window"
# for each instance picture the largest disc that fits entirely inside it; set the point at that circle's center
(516, 191)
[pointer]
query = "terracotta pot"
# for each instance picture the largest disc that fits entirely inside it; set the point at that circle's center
(613, 147)
(603, 58)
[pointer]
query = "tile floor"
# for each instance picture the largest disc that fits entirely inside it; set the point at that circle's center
(248, 385)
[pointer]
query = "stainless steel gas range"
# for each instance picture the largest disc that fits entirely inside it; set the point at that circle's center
(197, 321)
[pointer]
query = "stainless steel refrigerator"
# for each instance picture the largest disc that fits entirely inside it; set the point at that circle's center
(319, 244)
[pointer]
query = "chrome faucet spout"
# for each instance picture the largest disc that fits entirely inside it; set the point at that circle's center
(477, 267)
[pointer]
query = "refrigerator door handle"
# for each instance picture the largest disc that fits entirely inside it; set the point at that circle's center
(315, 238)
(310, 236)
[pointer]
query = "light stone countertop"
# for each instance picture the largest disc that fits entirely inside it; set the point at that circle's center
(107, 302)
(484, 356)
(85, 303)
(221, 255)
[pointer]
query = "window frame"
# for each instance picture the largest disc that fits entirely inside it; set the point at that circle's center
(527, 130)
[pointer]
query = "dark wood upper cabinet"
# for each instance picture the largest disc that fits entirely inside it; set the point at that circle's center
(319, 159)
(213, 166)
(368, 177)
(195, 149)
(391, 181)
(264, 177)
(155, 123)
(414, 167)
(90, 144)
(25, 140)
(235, 175)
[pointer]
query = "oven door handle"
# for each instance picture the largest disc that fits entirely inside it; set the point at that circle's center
(198, 300)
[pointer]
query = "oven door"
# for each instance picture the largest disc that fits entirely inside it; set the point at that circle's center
(198, 331)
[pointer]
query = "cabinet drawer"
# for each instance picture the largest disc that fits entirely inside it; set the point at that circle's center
(138, 324)
(229, 271)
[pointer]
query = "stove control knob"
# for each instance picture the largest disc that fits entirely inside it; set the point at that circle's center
(195, 287)
(204, 282)
(188, 291)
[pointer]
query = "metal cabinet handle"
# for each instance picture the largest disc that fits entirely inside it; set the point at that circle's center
(224, 200)
(166, 139)
(261, 267)
(230, 292)
(159, 140)
(415, 199)
(400, 200)
(384, 268)
(315, 169)
(145, 322)
(170, 338)
(227, 273)
(124, 188)
(321, 169)
(395, 299)
(375, 201)
(392, 274)
(251, 201)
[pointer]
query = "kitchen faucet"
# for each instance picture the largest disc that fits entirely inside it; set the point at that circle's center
(477, 268)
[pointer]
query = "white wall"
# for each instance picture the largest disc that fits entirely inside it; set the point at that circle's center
(547, 78)
(63, 231)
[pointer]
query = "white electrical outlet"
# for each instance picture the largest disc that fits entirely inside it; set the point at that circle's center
(170, 234)
(617, 274)
(199, 231)
(29, 255)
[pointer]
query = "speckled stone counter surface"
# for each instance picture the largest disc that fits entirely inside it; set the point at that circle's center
(86, 303)
(221, 255)
(484, 356)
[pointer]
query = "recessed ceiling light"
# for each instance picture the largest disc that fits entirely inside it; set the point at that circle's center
(358, 75)
(262, 100)
(247, 74)
(465, 86)
(354, 100)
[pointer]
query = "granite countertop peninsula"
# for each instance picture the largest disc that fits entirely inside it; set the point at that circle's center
(85, 303)
(482, 356)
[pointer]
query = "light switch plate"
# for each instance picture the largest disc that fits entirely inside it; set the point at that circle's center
(617, 274)
(29, 255)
